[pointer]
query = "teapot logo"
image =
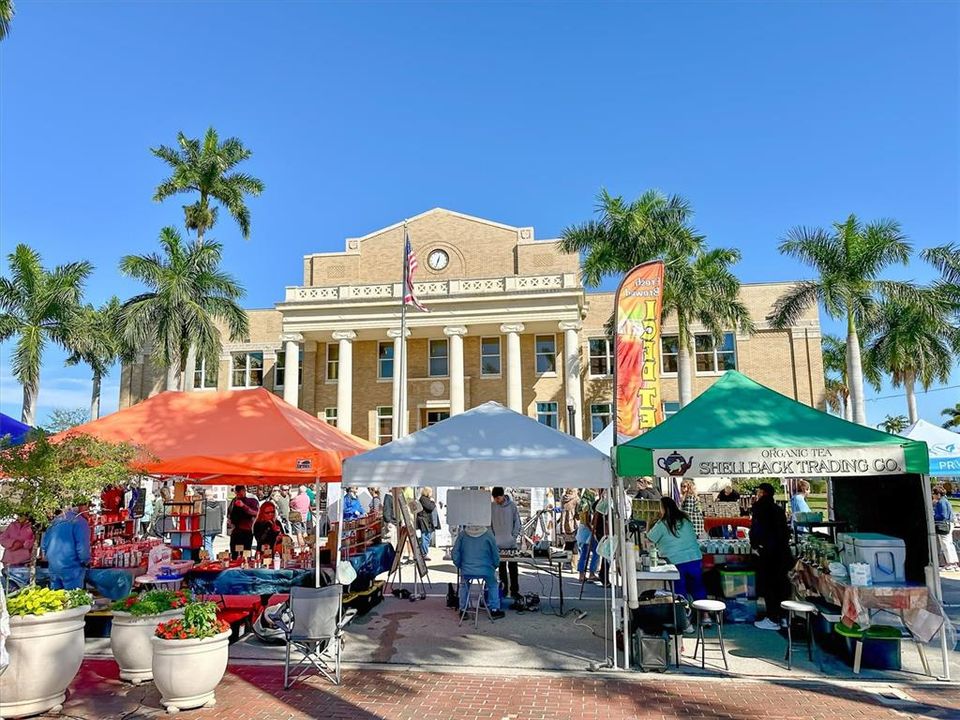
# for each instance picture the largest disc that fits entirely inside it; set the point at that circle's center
(675, 464)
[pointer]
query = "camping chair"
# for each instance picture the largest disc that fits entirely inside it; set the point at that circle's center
(310, 624)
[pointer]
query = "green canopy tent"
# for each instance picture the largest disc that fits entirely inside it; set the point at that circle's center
(739, 428)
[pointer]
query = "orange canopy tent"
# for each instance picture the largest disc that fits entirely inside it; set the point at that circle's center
(218, 438)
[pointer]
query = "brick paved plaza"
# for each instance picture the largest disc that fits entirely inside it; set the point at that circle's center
(255, 692)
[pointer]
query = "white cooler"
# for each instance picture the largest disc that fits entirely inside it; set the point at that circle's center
(883, 553)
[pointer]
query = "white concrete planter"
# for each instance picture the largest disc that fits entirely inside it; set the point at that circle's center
(45, 654)
(186, 672)
(130, 641)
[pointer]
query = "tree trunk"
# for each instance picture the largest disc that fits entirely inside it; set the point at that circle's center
(855, 373)
(847, 409)
(95, 398)
(28, 412)
(173, 382)
(684, 369)
(189, 371)
(909, 381)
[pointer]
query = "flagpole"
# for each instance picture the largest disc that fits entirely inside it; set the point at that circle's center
(400, 409)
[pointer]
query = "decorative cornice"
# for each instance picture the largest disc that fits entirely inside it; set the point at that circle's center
(291, 337)
(512, 328)
(568, 325)
(458, 330)
(344, 335)
(395, 333)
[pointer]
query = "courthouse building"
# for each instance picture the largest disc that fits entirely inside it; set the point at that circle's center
(509, 320)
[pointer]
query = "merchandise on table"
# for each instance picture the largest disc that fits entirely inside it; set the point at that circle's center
(131, 554)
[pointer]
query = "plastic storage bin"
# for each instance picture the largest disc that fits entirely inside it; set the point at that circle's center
(881, 646)
(740, 610)
(738, 583)
(884, 554)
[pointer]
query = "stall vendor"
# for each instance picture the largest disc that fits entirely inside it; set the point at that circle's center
(770, 538)
(727, 493)
(243, 511)
(506, 528)
(675, 537)
(17, 542)
(66, 546)
(352, 507)
(476, 555)
(267, 529)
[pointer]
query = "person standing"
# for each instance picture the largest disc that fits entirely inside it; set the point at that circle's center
(66, 546)
(727, 493)
(691, 505)
(586, 540)
(281, 499)
(390, 533)
(17, 542)
(213, 513)
(428, 520)
(475, 555)
(243, 511)
(943, 517)
(675, 538)
(646, 490)
(376, 504)
(352, 507)
(770, 538)
(299, 512)
(505, 522)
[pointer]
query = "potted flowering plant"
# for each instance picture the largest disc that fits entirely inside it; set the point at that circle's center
(46, 649)
(135, 619)
(190, 657)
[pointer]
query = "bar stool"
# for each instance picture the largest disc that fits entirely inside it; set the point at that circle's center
(481, 601)
(806, 611)
(704, 609)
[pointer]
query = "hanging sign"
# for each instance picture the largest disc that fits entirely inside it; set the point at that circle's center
(637, 349)
(780, 462)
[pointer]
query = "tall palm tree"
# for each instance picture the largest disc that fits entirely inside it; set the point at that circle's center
(95, 340)
(698, 284)
(37, 306)
(188, 295)
(848, 260)
(915, 341)
(834, 352)
(952, 415)
(207, 167)
(894, 424)
(7, 12)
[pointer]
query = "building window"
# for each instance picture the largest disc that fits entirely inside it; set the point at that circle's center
(384, 424)
(669, 352)
(438, 365)
(435, 416)
(547, 414)
(670, 408)
(330, 416)
(490, 356)
(385, 360)
(204, 379)
(280, 369)
(546, 353)
(333, 362)
(601, 357)
(247, 369)
(599, 418)
(713, 358)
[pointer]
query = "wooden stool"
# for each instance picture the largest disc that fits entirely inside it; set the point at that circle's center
(481, 601)
(806, 611)
(704, 609)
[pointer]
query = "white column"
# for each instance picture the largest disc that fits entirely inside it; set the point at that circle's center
(291, 367)
(399, 380)
(514, 383)
(571, 371)
(456, 333)
(345, 380)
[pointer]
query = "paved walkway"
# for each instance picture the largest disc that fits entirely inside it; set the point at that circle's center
(255, 692)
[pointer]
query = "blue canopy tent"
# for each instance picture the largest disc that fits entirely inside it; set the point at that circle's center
(944, 447)
(14, 428)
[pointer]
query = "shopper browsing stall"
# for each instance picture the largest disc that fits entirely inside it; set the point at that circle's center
(428, 520)
(243, 512)
(17, 542)
(299, 511)
(212, 520)
(505, 522)
(586, 540)
(770, 538)
(943, 523)
(675, 538)
(66, 546)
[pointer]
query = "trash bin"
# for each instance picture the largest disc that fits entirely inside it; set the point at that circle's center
(881, 645)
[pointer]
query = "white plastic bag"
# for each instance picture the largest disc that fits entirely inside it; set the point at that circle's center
(860, 574)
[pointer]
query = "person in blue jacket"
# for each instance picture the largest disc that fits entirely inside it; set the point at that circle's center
(66, 545)
(476, 555)
(352, 507)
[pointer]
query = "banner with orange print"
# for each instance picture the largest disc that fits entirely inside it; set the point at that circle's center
(637, 349)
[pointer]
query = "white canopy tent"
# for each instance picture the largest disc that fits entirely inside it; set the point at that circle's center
(488, 445)
(943, 445)
(604, 441)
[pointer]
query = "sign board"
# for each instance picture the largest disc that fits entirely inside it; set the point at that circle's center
(468, 507)
(780, 462)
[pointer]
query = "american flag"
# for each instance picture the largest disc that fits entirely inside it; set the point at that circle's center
(409, 267)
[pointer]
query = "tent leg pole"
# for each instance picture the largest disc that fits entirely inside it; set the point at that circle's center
(624, 593)
(613, 585)
(316, 533)
(934, 566)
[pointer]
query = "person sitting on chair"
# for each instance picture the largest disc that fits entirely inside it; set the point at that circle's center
(476, 555)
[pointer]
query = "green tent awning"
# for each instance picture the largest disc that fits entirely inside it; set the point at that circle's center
(739, 428)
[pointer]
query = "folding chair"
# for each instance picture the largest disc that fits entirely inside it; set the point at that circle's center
(480, 583)
(311, 626)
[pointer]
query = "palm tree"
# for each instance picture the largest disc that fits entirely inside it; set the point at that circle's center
(952, 415)
(834, 352)
(205, 167)
(188, 295)
(698, 284)
(96, 341)
(848, 261)
(915, 342)
(7, 11)
(37, 306)
(894, 424)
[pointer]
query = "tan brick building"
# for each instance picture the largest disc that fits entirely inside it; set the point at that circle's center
(509, 321)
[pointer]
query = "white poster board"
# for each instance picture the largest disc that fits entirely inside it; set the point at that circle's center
(468, 507)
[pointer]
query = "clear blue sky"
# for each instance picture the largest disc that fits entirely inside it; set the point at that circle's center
(764, 115)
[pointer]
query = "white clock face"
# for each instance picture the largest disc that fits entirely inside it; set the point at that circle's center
(438, 260)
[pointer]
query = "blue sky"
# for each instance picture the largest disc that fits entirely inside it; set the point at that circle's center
(764, 115)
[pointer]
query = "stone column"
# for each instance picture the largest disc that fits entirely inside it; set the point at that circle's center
(571, 371)
(291, 367)
(514, 383)
(456, 333)
(399, 381)
(345, 380)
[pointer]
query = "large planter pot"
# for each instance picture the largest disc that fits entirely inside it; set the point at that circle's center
(45, 654)
(186, 672)
(130, 641)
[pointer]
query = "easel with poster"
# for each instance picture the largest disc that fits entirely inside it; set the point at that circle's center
(407, 536)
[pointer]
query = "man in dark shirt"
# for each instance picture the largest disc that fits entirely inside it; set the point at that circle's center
(243, 511)
(770, 537)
